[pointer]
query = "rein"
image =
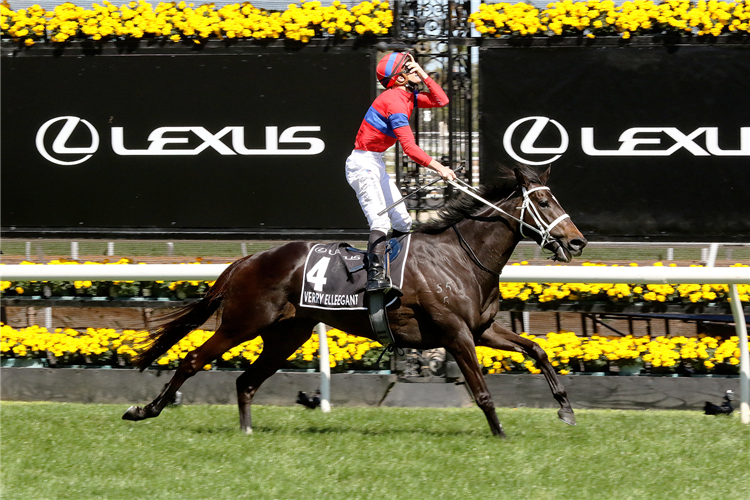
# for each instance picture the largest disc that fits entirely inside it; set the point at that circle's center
(543, 229)
(465, 245)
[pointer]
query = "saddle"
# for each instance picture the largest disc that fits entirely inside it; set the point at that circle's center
(335, 279)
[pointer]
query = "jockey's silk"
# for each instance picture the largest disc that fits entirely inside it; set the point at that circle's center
(387, 120)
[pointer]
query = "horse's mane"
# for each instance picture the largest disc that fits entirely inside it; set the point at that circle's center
(464, 206)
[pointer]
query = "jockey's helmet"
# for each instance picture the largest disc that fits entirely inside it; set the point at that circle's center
(390, 66)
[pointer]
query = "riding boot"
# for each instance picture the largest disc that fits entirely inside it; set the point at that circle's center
(375, 259)
(377, 279)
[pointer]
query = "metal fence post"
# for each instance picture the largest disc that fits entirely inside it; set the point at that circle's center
(741, 327)
(325, 368)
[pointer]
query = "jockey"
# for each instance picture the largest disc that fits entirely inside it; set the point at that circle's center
(387, 121)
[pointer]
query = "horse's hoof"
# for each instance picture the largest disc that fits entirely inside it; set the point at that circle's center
(248, 431)
(567, 416)
(134, 413)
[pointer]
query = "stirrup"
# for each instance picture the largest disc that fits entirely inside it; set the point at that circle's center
(378, 284)
(379, 317)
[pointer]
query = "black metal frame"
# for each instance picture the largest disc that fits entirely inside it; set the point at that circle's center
(437, 30)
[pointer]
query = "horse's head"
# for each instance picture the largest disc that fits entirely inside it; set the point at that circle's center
(545, 221)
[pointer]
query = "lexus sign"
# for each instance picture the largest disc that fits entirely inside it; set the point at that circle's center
(239, 146)
(645, 143)
(161, 143)
(635, 141)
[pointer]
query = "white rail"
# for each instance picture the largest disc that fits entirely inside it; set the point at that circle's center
(112, 272)
(532, 274)
(731, 276)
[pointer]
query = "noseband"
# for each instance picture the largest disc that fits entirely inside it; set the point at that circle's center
(542, 228)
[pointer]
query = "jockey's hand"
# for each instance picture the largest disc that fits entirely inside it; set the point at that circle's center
(444, 172)
(414, 68)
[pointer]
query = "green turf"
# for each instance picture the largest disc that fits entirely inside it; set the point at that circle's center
(72, 451)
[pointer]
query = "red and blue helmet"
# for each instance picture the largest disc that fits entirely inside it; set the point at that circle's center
(390, 67)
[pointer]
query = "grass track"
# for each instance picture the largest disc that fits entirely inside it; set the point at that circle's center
(73, 451)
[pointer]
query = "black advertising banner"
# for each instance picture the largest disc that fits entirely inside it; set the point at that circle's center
(645, 143)
(242, 143)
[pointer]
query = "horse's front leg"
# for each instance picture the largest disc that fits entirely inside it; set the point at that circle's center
(499, 337)
(464, 351)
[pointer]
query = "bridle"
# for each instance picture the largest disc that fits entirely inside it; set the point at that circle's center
(543, 229)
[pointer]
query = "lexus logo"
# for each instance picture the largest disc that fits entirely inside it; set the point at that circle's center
(528, 148)
(59, 145)
(163, 142)
(634, 141)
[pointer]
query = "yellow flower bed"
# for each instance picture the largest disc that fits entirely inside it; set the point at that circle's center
(685, 294)
(174, 289)
(181, 21)
(595, 17)
(621, 292)
(566, 351)
(105, 345)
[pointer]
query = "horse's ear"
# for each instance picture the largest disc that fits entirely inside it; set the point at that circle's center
(545, 175)
(521, 178)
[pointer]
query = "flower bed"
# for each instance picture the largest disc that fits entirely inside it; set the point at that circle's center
(182, 21)
(621, 293)
(542, 293)
(172, 21)
(107, 347)
(567, 352)
(177, 290)
(594, 18)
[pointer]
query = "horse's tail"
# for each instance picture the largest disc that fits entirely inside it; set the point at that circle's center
(183, 321)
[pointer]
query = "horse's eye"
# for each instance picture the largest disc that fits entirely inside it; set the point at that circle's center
(544, 204)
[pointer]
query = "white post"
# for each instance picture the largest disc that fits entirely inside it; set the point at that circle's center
(325, 369)
(74, 250)
(670, 253)
(739, 324)
(48, 318)
(28, 250)
(713, 251)
(526, 320)
(243, 249)
(110, 248)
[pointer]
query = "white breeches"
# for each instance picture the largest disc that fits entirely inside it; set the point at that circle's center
(365, 173)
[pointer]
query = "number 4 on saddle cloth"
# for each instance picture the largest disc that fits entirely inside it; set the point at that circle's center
(335, 278)
(335, 275)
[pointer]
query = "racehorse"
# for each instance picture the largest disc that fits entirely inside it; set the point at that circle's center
(450, 296)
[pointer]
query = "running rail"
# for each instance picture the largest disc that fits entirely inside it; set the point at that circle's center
(731, 276)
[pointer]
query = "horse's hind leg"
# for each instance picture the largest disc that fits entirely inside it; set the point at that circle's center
(499, 337)
(279, 342)
(195, 360)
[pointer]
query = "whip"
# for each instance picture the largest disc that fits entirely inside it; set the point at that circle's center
(416, 191)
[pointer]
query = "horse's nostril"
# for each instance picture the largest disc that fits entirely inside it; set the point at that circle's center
(578, 243)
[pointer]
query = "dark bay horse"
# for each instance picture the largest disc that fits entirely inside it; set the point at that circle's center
(450, 296)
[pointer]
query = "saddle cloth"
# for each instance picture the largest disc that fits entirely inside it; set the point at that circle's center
(335, 275)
